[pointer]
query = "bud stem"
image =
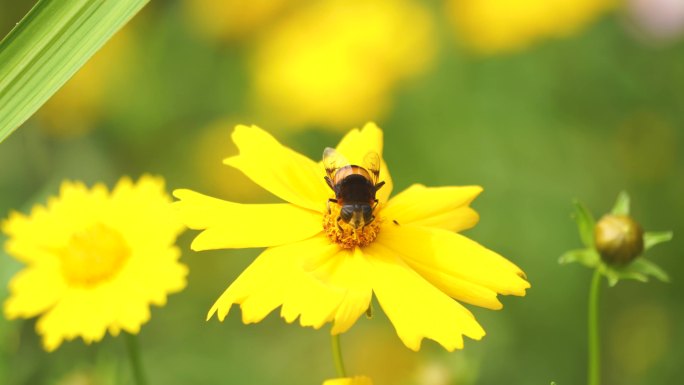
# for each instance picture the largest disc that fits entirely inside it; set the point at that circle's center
(594, 365)
(337, 355)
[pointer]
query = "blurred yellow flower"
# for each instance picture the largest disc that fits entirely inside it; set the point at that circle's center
(95, 261)
(336, 62)
(78, 106)
(232, 19)
(357, 380)
(323, 269)
(493, 26)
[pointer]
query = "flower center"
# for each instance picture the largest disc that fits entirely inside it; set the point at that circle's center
(346, 235)
(94, 255)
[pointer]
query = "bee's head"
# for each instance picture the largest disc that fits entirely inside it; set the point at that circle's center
(357, 215)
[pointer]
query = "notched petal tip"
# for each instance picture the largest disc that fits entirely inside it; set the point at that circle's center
(198, 244)
(211, 313)
(232, 161)
(181, 193)
(14, 217)
(221, 307)
(240, 130)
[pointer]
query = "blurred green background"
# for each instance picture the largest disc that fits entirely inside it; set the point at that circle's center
(583, 112)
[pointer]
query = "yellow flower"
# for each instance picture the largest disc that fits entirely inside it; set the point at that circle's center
(95, 261)
(357, 380)
(336, 62)
(232, 19)
(493, 26)
(324, 270)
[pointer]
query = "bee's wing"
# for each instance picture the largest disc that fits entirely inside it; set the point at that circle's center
(333, 161)
(371, 162)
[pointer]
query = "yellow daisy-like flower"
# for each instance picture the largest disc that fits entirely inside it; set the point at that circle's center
(95, 261)
(493, 26)
(319, 268)
(336, 62)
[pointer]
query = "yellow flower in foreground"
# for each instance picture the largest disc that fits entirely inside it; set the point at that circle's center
(337, 62)
(493, 26)
(358, 380)
(321, 269)
(95, 261)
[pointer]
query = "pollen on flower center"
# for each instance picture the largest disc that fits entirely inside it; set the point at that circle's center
(345, 234)
(94, 255)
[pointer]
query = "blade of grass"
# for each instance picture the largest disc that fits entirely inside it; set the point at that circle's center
(48, 46)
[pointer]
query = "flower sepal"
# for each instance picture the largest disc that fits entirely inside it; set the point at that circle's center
(600, 245)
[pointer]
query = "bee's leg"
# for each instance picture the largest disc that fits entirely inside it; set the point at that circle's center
(372, 218)
(375, 204)
(330, 182)
(333, 200)
(338, 223)
(378, 185)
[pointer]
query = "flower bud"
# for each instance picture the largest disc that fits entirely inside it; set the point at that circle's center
(619, 239)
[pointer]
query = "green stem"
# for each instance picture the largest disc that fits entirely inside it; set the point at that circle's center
(134, 354)
(594, 366)
(337, 355)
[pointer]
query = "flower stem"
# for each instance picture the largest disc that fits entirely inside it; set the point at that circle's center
(594, 366)
(133, 349)
(337, 355)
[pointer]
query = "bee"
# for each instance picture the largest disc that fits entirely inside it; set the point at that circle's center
(354, 186)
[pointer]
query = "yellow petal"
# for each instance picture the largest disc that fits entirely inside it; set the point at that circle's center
(416, 308)
(414, 246)
(345, 272)
(445, 258)
(34, 290)
(47, 228)
(357, 143)
(277, 278)
(68, 319)
(443, 207)
(283, 172)
(148, 195)
(233, 225)
(356, 380)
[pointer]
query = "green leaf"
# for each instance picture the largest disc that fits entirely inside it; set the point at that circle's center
(585, 223)
(610, 274)
(648, 268)
(653, 238)
(621, 206)
(622, 274)
(48, 46)
(587, 257)
(639, 270)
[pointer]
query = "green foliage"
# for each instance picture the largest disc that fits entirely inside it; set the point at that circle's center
(587, 257)
(585, 223)
(48, 46)
(653, 238)
(621, 206)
